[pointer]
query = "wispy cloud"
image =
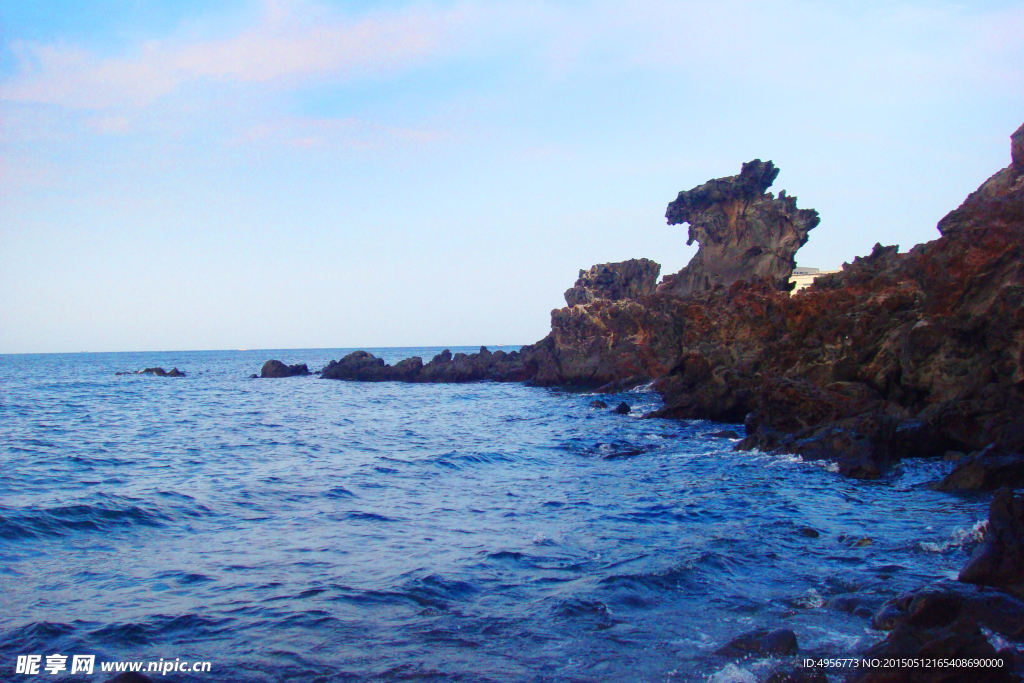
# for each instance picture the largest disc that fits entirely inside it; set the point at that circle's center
(295, 42)
(291, 43)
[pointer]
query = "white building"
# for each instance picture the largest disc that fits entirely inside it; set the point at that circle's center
(803, 277)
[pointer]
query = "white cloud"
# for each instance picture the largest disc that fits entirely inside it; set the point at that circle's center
(289, 44)
(295, 42)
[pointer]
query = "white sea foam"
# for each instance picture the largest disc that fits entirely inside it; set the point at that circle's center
(811, 599)
(732, 674)
(794, 459)
(958, 538)
(786, 458)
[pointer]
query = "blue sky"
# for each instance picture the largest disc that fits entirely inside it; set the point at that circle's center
(327, 174)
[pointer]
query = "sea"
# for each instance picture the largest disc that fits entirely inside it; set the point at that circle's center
(322, 531)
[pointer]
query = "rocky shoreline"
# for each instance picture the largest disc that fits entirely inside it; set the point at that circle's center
(899, 354)
(915, 354)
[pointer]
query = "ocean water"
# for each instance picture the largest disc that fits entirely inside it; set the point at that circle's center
(312, 530)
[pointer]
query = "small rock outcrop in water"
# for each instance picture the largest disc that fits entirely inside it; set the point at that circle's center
(275, 368)
(157, 372)
(444, 367)
(761, 643)
(614, 281)
(744, 231)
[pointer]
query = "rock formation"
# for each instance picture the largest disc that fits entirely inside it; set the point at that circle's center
(275, 368)
(744, 232)
(444, 367)
(614, 281)
(914, 353)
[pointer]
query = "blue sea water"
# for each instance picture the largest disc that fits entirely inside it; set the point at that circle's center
(312, 530)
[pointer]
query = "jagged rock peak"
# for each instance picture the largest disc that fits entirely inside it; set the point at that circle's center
(614, 281)
(745, 232)
(1017, 151)
(968, 221)
(753, 181)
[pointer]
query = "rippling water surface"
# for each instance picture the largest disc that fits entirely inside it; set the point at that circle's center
(311, 530)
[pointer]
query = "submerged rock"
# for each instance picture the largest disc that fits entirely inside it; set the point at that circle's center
(761, 643)
(275, 368)
(156, 372)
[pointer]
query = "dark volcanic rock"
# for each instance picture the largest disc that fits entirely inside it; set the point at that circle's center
(761, 643)
(961, 638)
(361, 366)
(614, 281)
(943, 620)
(999, 561)
(275, 368)
(444, 367)
(744, 232)
(985, 470)
(943, 602)
(622, 409)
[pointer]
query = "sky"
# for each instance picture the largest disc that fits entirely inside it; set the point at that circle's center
(298, 174)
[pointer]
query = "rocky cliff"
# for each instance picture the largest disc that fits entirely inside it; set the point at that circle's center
(899, 354)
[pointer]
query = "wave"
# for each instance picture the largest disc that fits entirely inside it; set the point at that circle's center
(959, 538)
(339, 492)
(18, 524)
(360, 516)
